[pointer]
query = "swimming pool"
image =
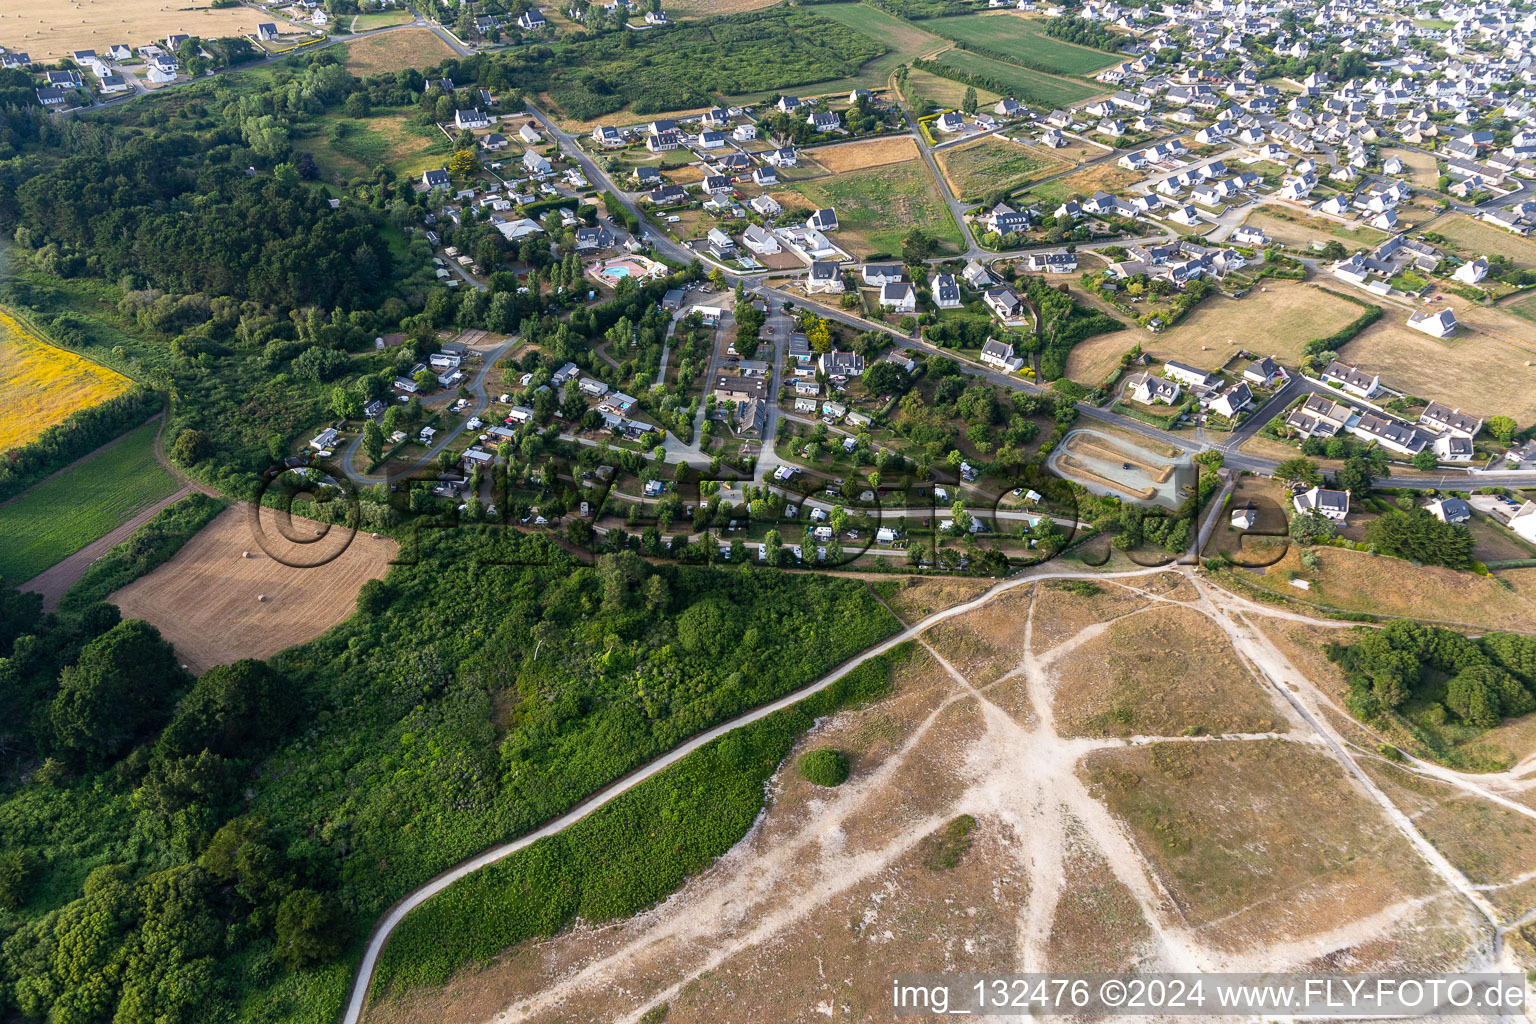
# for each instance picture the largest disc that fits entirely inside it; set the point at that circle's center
(613, 273)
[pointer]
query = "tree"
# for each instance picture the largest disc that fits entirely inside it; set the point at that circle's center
(463, 164)
(1418, 536)
(123, 682)
(1299, 469)
(968, 103)
(1501, 427)
(373, 441)
(346, 403)
(917, 247)
(1312, 525)
(1425, 460)
(883, 378)
(717, 278)
(311, 928)
(425, 378)
(191, 447)
(818, 334)
(1354, 476)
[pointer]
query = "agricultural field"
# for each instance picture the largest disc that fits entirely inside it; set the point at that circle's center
(1422, 170)
(902, 41)
(391, 51)
(41, 385)
(1524, 308)
(1022, 38)
(50, 31)
(877, 207)
(67, 511)
(856, 156)
(1104, 177)
(978, 168)
(716, 8)
(1277, 317)
(1299, 230)
(381, 19)
(1475, 238)
(345, 146)
(226, 595)
(1472, 371)
(1032, 88)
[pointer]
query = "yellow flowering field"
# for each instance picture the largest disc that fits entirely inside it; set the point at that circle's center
(41, 385)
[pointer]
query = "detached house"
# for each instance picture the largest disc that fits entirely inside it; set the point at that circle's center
(1000, 354)
(899, 297)
(1355, 382)
(1330, 504)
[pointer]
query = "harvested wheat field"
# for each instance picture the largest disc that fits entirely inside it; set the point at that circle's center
(392, 51)
(216, 606)
(41, 385)
(854, 156)
(48, 31)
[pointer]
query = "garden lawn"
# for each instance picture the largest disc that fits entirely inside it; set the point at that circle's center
(1022, 38)
(877, 207)
(1031, 88)
(67, 511)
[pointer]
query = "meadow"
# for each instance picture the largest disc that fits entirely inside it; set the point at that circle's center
(991, 164)
(390, 51)
(1028, 87)
(930, 93)
(344, 146)
(41, 385)
(902, 40)
(877, 207)
(67, 511)
(1476, 372)
(380, 19)
(1473, 237)
(1021, 37)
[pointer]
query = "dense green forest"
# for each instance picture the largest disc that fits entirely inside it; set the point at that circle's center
(209, 849)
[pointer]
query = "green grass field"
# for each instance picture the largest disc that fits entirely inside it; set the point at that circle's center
(347, 146)
(1524, 308)
(64, 513)
(1026, 86)
(1022, 38)
(877, 207)
(383, 19)
(902, 41)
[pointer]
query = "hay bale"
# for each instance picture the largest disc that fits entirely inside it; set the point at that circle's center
(245, 554)
(261, 598)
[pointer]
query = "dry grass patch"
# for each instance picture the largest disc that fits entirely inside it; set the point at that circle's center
(1298, 230)
(1105, 177)
(1355, 581)
(1277, 318)
(855, 156)
(1475, 237)
(1257, 842)
(1474, 372)
(41, 385)
(1489, 843)
(392, 51)
(1099, 925)
(1167, 671)
(917, 597)
(206, 600)
(985, 644)
(1064, 608)
(1422, 170)
(49, 31)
